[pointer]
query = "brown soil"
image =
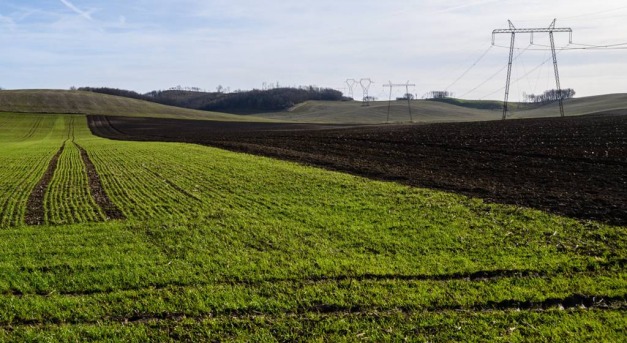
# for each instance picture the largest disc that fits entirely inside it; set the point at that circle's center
(97, 191)
(35, 211)
(574, 166)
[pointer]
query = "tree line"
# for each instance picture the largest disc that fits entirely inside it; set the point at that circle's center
(241, 102)
(549, 96)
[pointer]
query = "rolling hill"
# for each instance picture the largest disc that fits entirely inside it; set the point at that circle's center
(80, 102)
(425, 111)
(332, 112)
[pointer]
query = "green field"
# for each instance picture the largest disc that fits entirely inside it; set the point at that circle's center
(82, 102)
(216, 245)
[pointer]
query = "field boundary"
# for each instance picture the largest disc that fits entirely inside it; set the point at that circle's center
(571, 166)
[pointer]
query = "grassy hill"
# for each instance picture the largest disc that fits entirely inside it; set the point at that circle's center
(80, 102)
(425, 111)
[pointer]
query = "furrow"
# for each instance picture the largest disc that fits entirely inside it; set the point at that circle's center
(67, 199)
(477, 276)
(97, 190)
(35, 212)
(570, 302)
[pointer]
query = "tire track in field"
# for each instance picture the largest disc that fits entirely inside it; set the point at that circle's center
(96, 189)
(33, 128)
(477, 276)
(173, 185)
(570, 302)
(35, 210)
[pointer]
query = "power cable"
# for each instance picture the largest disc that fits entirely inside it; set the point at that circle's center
(522, 77)
(621, 46)
(495, 74)
(469, 68)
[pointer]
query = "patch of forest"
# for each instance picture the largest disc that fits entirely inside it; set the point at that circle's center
(238, 102)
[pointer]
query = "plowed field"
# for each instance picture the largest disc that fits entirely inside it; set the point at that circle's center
(574, 166)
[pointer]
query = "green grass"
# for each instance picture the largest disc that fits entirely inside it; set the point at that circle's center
(227, 246)
(28, 143)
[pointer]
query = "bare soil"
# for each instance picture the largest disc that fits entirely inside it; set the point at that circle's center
(574, 166)
(110, 210)
(35, 211)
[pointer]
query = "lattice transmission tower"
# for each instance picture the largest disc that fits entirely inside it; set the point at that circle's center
(513, 31)
(407, 94)
(365, 86)
(351, 83)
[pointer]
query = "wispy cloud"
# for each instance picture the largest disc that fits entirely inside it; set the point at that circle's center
(78, 11)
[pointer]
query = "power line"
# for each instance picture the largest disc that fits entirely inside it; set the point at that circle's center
(520, 78)
(495, 74)
(621, 46)
(469, 68)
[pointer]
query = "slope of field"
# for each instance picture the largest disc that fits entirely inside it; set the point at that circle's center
(353, 112)
(575, 166)
(79, 102)
(424, 111)
(224, 246)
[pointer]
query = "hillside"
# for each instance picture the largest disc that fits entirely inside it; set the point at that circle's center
(80, 102)
(238, 102)
(426, 111)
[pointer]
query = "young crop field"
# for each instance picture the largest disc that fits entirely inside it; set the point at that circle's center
(107, 240)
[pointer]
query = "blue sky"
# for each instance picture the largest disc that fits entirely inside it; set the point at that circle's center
(145, 45)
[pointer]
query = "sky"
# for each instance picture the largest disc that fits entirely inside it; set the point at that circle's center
(146, 45)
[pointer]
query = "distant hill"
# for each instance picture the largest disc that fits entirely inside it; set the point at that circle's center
(335, 112)
(82, 102)
(456, 110)
(478, 104)
(239, 102)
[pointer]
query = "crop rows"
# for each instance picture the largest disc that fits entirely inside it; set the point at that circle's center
(64, 196)
(218, 245)
(68, 199)
(24, 160)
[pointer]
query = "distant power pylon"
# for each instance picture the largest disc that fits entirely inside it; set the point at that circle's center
(407, 94)
(351, 83)
(365, 86)
(513, 31)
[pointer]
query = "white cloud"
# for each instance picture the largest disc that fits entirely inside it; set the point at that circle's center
(150, 44)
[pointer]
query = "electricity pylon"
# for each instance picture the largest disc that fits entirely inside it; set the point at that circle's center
(351, 83)
(513, 31)
(407, 94)
(365, 86)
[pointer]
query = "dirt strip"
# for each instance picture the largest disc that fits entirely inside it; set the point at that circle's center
(35, 211)
(96, 190)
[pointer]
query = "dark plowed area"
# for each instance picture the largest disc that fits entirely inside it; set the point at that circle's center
(575, 166)
(35, 205)
(96, 189)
